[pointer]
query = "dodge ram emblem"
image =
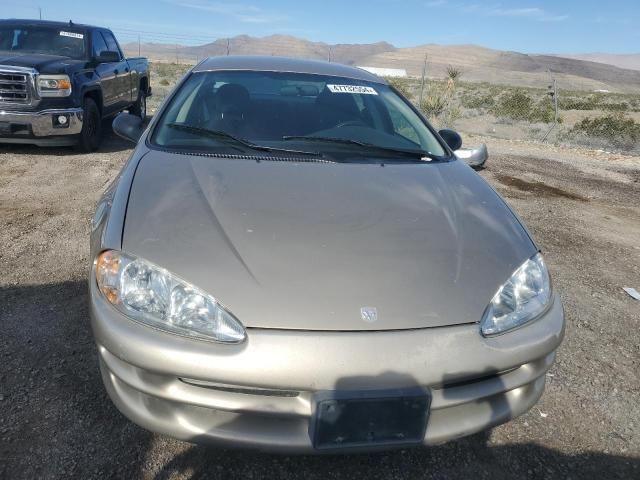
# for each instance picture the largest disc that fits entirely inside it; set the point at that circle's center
(369, 314)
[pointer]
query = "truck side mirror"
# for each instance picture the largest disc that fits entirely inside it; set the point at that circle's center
(128, 126)
(108, 57)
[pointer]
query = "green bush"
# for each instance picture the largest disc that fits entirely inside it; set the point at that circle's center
(478, 100)
(518, 105)
(616, 107)
(618, 129)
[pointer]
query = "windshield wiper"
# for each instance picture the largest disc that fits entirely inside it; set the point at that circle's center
(420, 154)
(231, 139)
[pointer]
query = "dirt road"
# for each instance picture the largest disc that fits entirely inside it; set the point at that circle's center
(57, 422)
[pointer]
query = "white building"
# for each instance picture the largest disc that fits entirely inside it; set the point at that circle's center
(386, 72)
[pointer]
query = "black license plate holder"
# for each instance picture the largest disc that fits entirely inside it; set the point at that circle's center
(370, 419)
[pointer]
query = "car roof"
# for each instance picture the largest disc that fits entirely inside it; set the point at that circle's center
(48, 23)
(284, 64)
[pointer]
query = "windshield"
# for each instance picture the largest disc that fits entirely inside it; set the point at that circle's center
(66, 42)
(285, 110)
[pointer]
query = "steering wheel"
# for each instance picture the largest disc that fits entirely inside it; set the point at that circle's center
(67, 48)
(351, 123)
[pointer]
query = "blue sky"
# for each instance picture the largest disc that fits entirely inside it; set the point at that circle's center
(533, 26)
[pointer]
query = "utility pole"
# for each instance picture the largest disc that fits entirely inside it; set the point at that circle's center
(228, 45)
(329, 54)
(424, 74)
(139, 45)
(40, 12)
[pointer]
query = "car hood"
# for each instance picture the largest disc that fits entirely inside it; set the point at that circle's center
(42, 63)
(309, 245)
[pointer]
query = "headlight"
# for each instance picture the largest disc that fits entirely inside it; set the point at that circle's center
(153, 296)
(522, 298)
(54, 86)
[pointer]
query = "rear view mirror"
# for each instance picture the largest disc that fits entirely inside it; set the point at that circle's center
(474, 157)
(128, 127)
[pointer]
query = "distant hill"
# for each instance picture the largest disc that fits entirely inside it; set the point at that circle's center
(477, 63)
(628, 61)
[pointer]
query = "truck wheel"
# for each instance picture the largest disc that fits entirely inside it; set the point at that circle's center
(91, 133)
(139, 109)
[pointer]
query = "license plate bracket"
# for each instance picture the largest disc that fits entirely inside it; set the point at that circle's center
(370, 418)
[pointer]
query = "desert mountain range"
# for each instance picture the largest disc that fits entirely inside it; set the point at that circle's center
(616, 73)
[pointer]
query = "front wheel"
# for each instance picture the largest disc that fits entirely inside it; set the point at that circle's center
(91, 133)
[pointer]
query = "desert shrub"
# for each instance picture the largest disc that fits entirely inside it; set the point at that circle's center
(480, 101)
(611, 127)
(617, 129)
(598, 101)
(433, 104)
(519, 105)
(440, 104)
(453, 73)
(543, 111)
(403, 85)
(590, 102)
(516, 105)
(616, 107)
(168, 70)
(164, 82)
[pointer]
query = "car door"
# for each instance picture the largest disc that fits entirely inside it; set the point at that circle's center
(106, 72)
(122, 71)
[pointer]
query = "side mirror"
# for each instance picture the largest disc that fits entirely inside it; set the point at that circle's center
(453, 138)
(108, 57)
(128, 127)
(474, 157)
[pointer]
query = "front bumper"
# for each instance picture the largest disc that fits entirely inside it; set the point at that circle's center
(261, 393)
(39, 127)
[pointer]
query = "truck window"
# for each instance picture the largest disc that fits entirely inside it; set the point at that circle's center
(98, 44)
(112, 45)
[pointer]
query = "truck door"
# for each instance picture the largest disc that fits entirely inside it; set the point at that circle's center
(122, 71)
(106, 71)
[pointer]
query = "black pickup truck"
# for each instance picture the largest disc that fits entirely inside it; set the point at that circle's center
(59, 80)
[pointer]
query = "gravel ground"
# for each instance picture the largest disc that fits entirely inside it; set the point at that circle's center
(57, 422)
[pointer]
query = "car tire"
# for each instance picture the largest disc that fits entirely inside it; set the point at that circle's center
(91, 133)
(139, 109)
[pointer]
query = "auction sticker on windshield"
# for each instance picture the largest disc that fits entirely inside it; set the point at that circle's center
(71, 34)
(352, 89)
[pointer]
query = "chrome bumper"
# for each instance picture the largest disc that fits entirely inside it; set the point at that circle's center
(41, 123)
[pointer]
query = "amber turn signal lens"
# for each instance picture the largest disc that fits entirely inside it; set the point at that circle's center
(107, 272)
(64, 84)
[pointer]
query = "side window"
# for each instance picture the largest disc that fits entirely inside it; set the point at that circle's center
(98, 44)
(112, 45)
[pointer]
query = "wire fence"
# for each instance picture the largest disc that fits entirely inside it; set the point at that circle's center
(593, 119)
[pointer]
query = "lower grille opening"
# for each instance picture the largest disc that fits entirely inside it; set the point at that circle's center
(477, 379)
(244, 390)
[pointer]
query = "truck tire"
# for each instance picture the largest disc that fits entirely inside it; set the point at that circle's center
(139, 109)
(91, 133)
